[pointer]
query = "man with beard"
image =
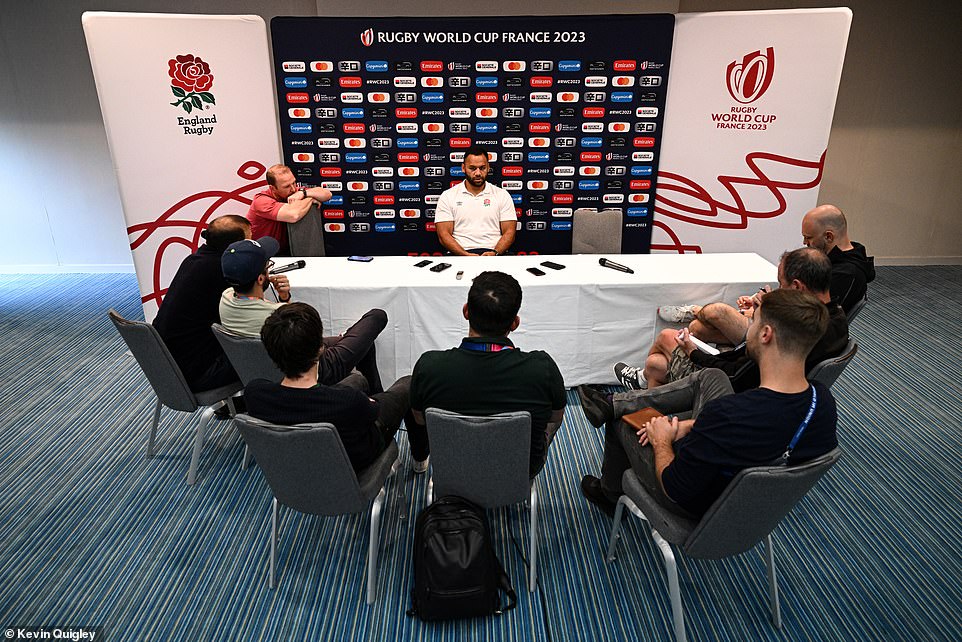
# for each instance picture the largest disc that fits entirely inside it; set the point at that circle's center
(475, 218)
(686, 464)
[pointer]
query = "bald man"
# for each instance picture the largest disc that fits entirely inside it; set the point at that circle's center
(825, 228)
(284, 201)
(190, 307)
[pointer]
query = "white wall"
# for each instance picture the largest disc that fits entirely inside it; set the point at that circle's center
(894, 161)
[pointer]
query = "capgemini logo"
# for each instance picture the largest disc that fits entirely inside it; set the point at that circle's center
(367, 37)
(749, 79)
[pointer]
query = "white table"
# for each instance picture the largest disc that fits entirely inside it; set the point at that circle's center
(587, 317)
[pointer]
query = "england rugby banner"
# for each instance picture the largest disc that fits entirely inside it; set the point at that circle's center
(380, 111)
(750, 105)
(189, 113)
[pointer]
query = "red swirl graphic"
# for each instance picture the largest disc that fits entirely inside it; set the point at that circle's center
(250, 171)
(701, 208)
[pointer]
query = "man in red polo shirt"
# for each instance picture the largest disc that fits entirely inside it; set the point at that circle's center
(282, 202)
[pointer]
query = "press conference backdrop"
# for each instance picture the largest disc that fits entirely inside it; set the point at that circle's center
(737, 148)
(380, 111)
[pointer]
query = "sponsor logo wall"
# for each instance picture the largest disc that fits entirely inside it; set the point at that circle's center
(570, 109)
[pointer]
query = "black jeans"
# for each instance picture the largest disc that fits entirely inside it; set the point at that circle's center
(394, 404)
(353, 349)
(621, 443)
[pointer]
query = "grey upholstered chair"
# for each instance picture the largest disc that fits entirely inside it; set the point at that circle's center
(484, 460)
(828, 371)
(856, 308)
(247, 355)
(747, 512)
(306, 237)
(308, 470)
(169, 384)
(596, 232)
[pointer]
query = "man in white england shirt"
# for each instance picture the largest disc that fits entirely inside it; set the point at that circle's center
(475, 218)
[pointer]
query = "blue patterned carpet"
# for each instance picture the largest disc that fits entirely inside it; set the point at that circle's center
(93, 533)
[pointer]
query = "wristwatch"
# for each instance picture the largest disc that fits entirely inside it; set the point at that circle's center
(304, 192)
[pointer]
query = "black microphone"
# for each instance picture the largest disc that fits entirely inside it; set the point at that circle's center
(297, 265)
(615, 266)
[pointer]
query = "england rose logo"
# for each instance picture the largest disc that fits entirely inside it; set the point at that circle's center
(750, 78)
(190, 79)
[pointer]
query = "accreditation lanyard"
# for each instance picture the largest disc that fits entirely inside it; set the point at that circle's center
(783, 461)
(484, 347)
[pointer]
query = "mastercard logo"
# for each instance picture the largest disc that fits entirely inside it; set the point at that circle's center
(514, 65)
(567, 97)
(590, 170)
(410, 213)
(334, 227)
(357, 143)
(303, 158)
(377, 97)
(357, 186)
(487, 112)
(322, 66)
(432, 81)
(618, 127)
(538, 185)
(433, 127)
(623, 81)
(539, 142)
(409, 171)
(637, 198)
(299, 113)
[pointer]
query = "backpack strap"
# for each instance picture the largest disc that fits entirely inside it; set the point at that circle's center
(504, 583)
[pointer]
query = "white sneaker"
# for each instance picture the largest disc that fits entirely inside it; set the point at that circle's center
(631, 377)
(420, 466)
(677, 313)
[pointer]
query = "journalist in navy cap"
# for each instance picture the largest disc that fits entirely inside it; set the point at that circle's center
(244, 261)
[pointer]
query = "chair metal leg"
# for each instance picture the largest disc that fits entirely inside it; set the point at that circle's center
(230, 407)
(429, 494)
(271, 582)
(153, 429)
(674, 591)
(199, 444)
(372, 547)
(772, 582)
(246, 461)
(402, 495)
(616, 527)
(533, 567)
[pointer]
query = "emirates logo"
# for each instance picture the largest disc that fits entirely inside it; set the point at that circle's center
(367, 37)
(749, 79)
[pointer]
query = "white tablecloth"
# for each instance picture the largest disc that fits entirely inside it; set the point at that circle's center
(586, 316)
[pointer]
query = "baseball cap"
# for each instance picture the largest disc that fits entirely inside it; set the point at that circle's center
(244, 261)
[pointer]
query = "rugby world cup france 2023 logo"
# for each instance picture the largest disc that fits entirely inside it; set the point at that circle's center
(190, 79)
(750, 78)
(367, 37)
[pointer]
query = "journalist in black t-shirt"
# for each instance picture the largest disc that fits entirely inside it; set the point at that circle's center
(686, 464)
(292, 336)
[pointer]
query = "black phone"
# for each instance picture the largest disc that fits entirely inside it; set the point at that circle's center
(440, 267)
(361, 259)
(553, 265)
(536, 271)
(422, 263)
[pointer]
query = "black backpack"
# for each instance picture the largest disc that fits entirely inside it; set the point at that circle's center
(456, 573)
